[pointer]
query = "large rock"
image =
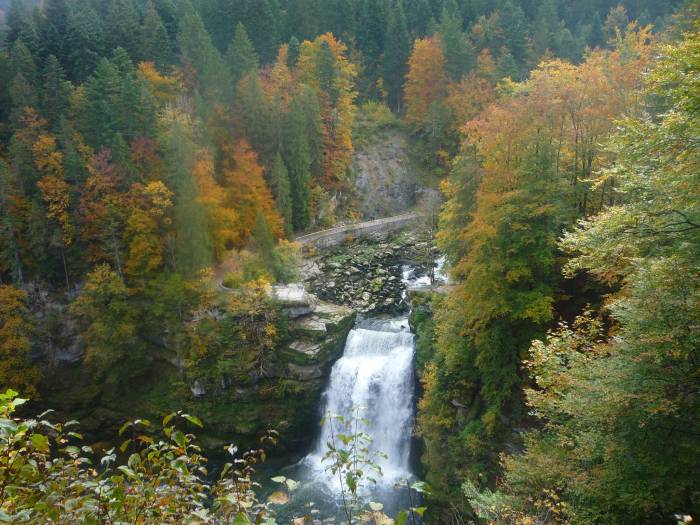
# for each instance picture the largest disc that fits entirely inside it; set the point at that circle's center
(307, 348)
(319, 337)
(294, 299)
(305, 373)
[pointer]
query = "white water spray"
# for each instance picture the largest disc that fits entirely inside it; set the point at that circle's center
(375, 374)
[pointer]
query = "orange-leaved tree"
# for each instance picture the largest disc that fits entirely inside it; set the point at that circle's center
(223, 219)
(426, 81)
(247, 192)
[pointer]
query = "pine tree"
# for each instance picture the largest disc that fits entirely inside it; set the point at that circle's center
(596, 38)
(338, 17)
(371, 25)
(293, 52)
(86, 42)
(615, 23)
(5, 99)
(55, 29)
(116, 101)
(515, 33)
(302, 19)
(192, 245)
(297, 158)
(281, 189)
(307, 105)
(57, 91)
(396, 50)
(198, 52)
(124, 25)
(457, 48)
(221, 18)
(263, 244)
(418, 16)
(253, 112)
(10, 257)
(156, 45)
(546, 24)
(262, 20)
(23, 94)
(22, 62)
(21, 26)
(241, 56)
(97, 118)
(506, 67)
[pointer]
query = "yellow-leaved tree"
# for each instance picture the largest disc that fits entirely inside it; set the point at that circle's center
(16, 368)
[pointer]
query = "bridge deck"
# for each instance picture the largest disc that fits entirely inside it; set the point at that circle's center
(336, 233)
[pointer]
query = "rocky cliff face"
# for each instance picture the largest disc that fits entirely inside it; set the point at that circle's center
(385, 180)
(287, 397)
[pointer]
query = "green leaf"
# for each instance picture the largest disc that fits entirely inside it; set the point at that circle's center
(40, 442)
(19, 401)
(420, 486)
(124, 445)
(134, 460)
(291, 484)
(241, 519)
(352, 484)
(127, 471)
(8, 424)
(167, 418)
(279, 479)
(179, 438)
(194, 420)
(124, 427)
(420, 511)
(401, 517)
(375, 506)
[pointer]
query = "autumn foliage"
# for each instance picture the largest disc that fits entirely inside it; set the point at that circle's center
(426, 81)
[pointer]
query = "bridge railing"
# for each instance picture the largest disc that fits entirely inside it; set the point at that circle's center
(337, 234)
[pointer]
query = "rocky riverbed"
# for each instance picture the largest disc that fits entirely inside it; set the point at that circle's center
(369, 275)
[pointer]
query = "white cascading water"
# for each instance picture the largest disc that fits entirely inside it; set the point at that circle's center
(374, 374)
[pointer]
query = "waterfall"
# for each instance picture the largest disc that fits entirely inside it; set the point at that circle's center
(374, 374)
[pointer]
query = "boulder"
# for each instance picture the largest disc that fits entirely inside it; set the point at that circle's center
(197, 389)
(294, 299)
(308, 348)
(305, 373)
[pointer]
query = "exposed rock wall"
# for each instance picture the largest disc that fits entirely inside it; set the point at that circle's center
(288, 397)
(385, 180)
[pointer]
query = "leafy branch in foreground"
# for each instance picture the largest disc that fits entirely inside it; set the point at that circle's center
(351, 458)
(46, 475)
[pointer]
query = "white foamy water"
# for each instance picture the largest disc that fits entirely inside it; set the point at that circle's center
(417, 282)
(374, 374)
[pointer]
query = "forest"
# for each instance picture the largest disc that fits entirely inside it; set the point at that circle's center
(159, 160)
